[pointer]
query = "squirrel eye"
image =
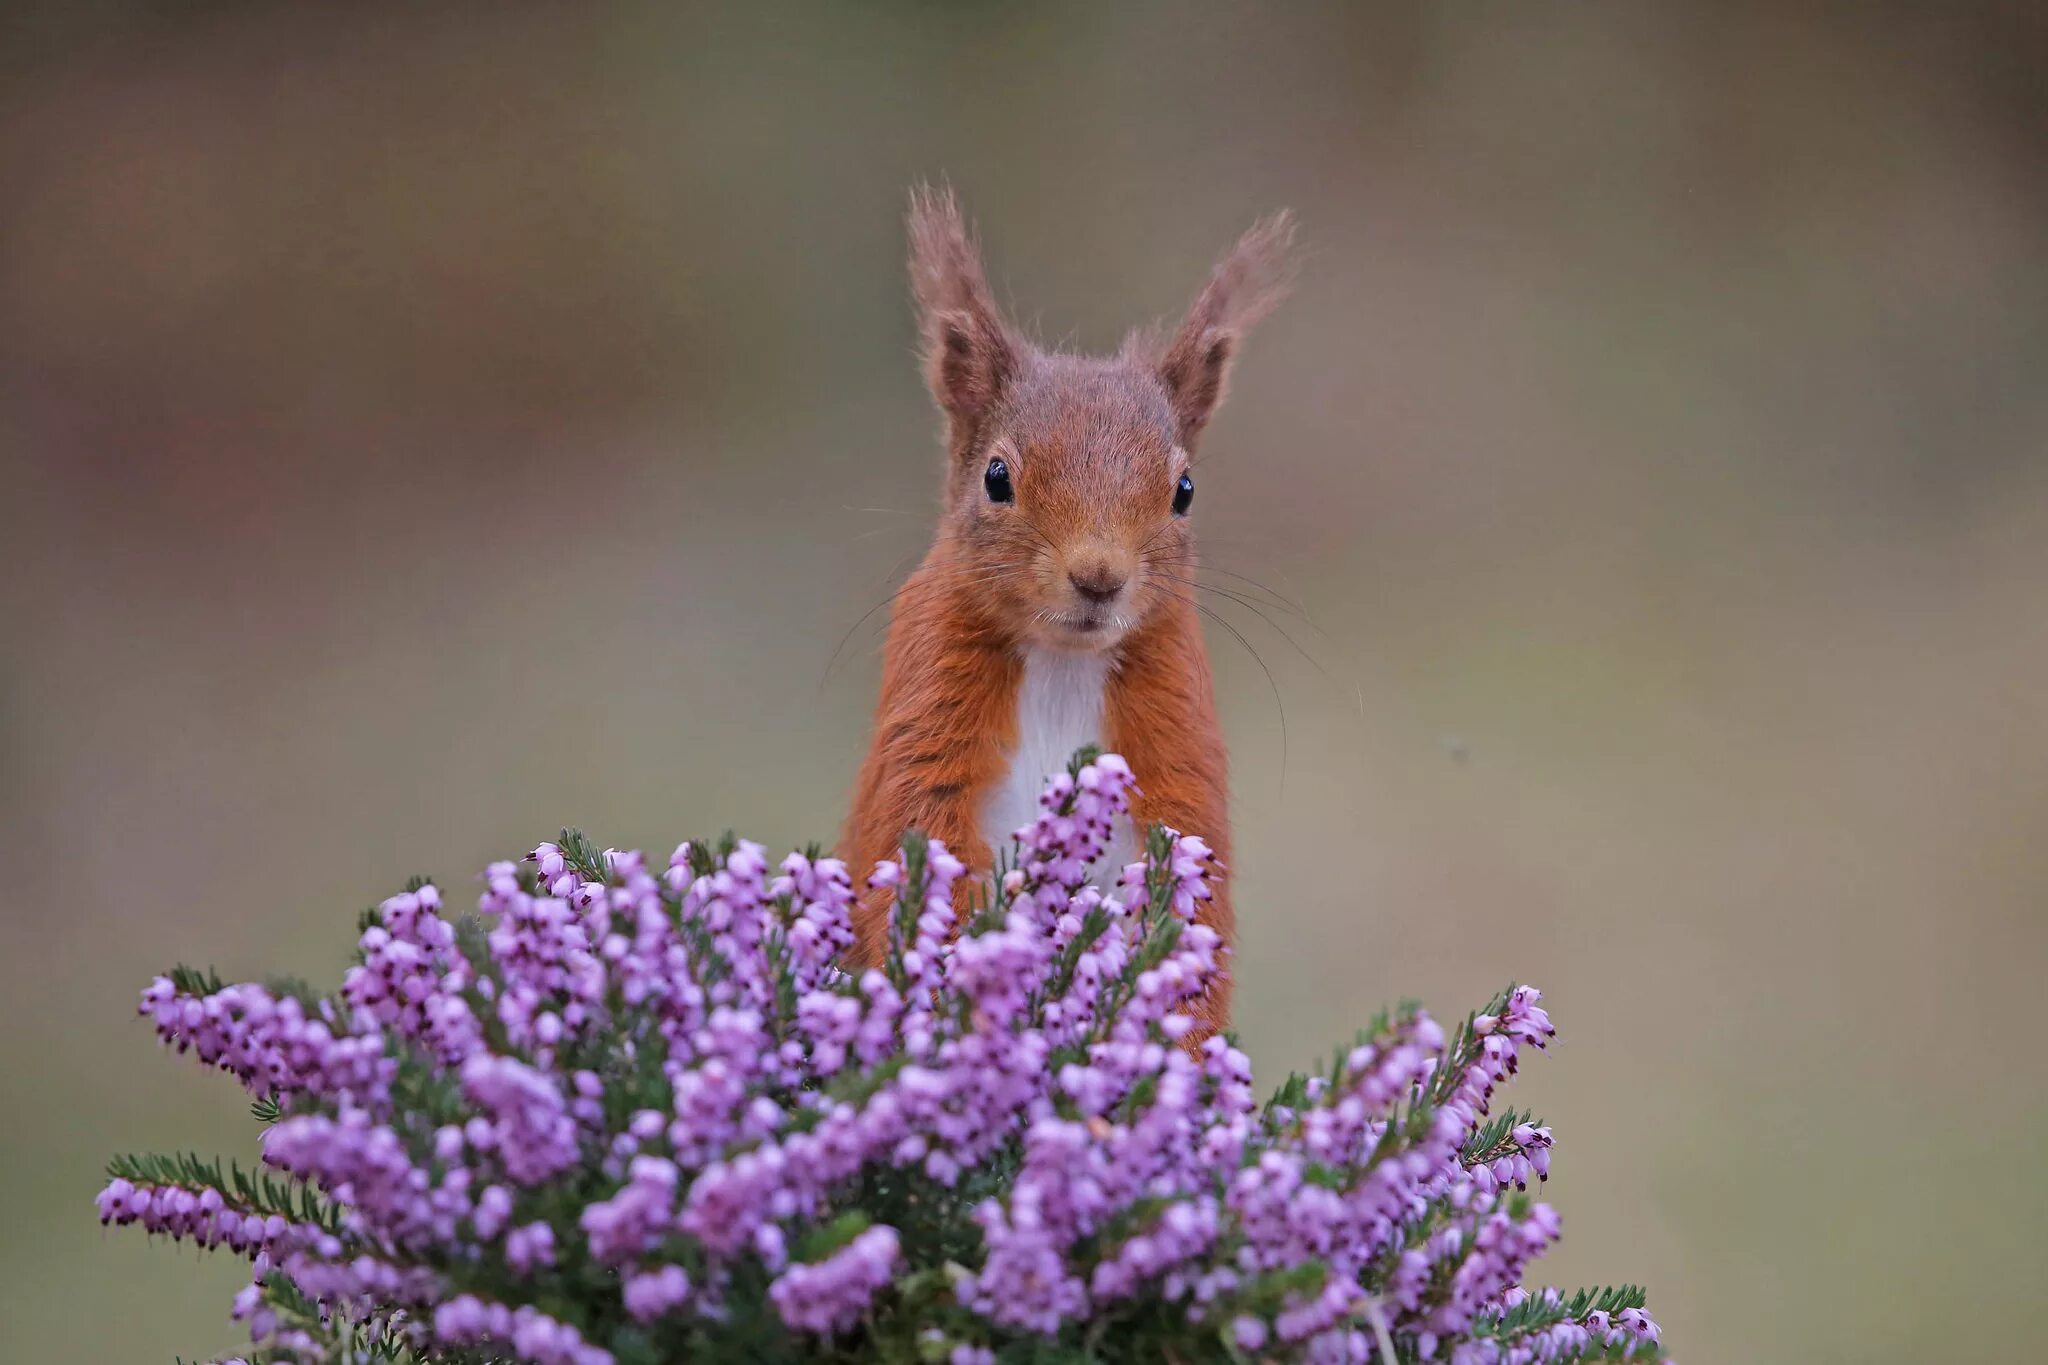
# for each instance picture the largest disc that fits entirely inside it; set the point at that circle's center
(1183, 495)
(997, 482)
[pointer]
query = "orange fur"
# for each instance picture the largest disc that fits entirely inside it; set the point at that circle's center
(1160, 714)
(943, 732)
(1089, 551)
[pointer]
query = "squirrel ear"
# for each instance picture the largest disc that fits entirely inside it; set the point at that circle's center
(970, 353)
(1245, 286)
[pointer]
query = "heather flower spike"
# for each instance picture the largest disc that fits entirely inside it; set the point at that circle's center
(630, 1113)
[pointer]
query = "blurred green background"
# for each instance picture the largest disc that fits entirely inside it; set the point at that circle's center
(423, 427)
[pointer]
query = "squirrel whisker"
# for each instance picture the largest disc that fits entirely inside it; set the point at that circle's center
(1279, 598)
(1272, 684)
(1227, 595)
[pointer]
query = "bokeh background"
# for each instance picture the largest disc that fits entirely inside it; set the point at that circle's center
(426, 426)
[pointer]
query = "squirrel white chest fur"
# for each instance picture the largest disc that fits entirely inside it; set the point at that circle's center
(1059, 709)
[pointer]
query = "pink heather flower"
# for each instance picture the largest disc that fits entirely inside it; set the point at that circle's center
(272, 1045)
(493, 1208)
(530, 1130)
(635, 1218)
(830, 1295)
(650, 1294)
(533, 1335)
(621, 1070)
(530, 1247)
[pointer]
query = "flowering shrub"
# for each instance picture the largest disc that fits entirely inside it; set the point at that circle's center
(627, 1115)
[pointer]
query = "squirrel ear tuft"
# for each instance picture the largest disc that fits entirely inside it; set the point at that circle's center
(1247, 284)
(970, 353)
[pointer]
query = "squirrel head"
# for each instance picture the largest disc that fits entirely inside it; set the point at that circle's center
(1069, 479)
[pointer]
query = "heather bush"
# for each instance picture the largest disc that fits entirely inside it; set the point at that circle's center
(632, 1114)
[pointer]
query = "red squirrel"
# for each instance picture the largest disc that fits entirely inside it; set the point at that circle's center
(1056, 606)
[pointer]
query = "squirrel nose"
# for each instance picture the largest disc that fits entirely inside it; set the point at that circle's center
(1098, 585)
